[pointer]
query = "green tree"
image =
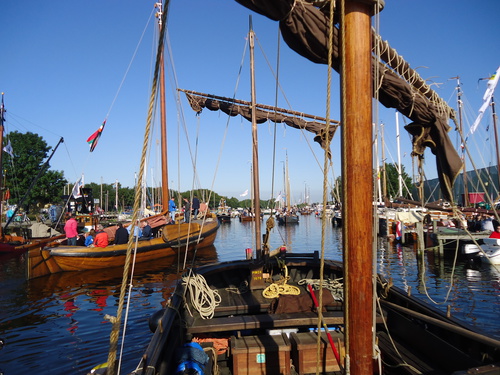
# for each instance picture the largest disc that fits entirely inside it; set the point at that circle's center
(29, 154)
(393, 181)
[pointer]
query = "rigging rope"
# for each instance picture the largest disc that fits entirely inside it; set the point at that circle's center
(116, 321)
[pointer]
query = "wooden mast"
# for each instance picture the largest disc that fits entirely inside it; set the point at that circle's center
(255, 148)
(461, 132)
(357, 180)
(493, 113)
(163, 115)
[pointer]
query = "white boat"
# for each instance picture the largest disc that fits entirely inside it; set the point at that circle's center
(489, 250)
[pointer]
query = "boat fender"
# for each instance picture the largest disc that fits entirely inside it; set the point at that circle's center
(154, 320)
(192, 359)
(2, 343)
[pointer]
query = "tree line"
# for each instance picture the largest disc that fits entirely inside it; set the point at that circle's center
(26, 157)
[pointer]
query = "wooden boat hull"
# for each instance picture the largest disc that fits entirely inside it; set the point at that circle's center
(246, 218)
(287, 220)
(175, 237)
(224, 218)
(245, 320)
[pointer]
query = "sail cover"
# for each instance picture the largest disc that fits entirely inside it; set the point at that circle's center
(228, 106)
(305, 29)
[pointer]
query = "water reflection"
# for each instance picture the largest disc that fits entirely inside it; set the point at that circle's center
(56, 323)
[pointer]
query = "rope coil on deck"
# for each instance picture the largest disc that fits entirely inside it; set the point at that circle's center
(281, 287)
(203, 299)
(335, 286)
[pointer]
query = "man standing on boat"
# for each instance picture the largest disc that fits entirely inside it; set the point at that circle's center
(187, 211)
(196, 206)
(71, 230)
(172, 208)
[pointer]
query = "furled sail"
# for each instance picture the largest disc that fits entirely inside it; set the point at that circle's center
(234, 107)
(305, 29)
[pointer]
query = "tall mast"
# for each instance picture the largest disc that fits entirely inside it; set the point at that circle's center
(163, 114)
(400, 171)
(287, 180)
(461, 132)
(2, 118)
(357, 180)
(255, 147)
(384, 169)
(496, 138)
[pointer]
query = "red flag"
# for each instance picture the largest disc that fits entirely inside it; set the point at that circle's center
(94, 138)
(6, 195)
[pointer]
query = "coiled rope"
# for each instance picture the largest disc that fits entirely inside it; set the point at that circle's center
(281, 287)
(203, 299)
(335, 286)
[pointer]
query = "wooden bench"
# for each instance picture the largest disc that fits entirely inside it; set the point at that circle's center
(264, 321)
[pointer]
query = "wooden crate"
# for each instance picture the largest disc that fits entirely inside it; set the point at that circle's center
(304, 348)
(260, 355)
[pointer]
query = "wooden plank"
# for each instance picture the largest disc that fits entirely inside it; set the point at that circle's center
(264, 321)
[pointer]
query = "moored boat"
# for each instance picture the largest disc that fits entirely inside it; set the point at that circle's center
(262, 315)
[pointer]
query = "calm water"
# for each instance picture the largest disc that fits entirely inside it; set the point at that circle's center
(56, 324)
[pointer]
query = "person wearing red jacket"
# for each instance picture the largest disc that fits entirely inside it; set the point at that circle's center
(101, 238)
(496, 232)
(71, 230)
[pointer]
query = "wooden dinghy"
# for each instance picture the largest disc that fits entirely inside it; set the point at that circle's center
(77, 258)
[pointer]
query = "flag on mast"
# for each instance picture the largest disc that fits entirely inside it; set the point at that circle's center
(244, 194)
(94, 138)
(492, 82)
(76, 188)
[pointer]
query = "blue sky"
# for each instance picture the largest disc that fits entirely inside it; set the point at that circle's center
(66, 66)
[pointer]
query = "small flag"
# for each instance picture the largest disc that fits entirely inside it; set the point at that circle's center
(245, 193)
(8, 149)
(278, 198)
(76, 189)
(94, 138)
(492, 83)
(6, 195)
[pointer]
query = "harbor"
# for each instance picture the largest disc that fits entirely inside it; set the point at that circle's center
(57, 324)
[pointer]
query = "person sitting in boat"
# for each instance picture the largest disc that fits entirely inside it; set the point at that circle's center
(101, 237)
(71, 230)
(487, 224)
(137, 229)
(121, 235)
(89, 237)
(496, 232)
(147, 232)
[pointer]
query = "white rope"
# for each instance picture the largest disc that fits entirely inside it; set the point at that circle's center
(203, 299)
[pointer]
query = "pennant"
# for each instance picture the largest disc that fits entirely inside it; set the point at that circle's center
(94, 138)
(8, 149)
(76, 189)
(492, 82)
(245, 193)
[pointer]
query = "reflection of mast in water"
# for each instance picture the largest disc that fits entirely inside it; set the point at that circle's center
(402, 262)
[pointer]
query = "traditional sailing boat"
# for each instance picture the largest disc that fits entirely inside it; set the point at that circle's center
(288, 214)
(171, 238)
(248, 306)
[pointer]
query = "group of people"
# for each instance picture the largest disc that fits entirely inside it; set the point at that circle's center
(100, 238)
(191, 209)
